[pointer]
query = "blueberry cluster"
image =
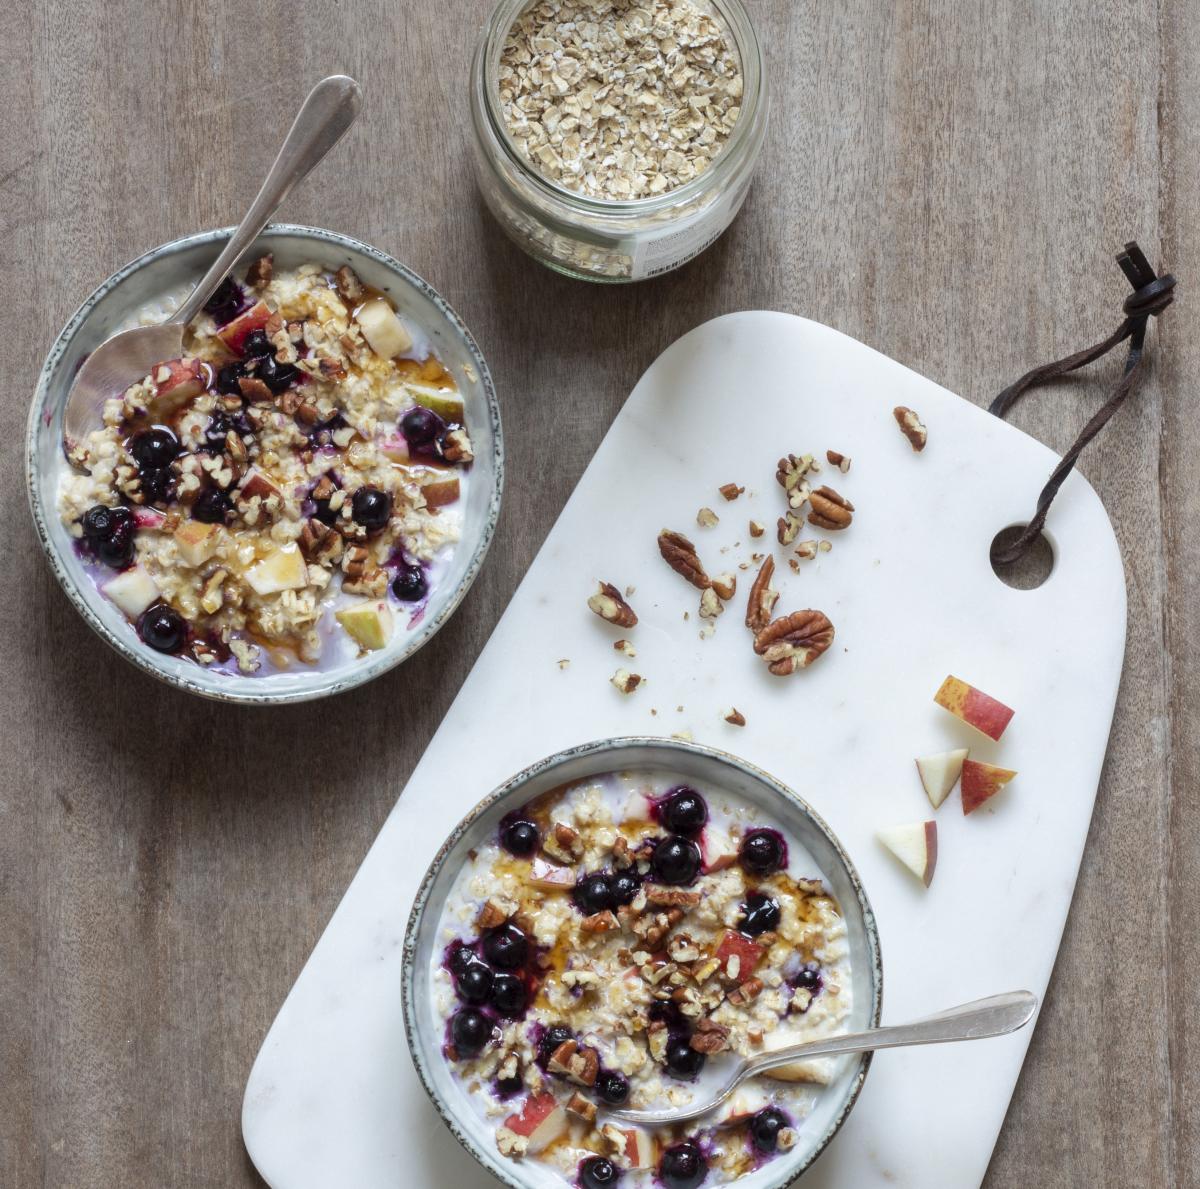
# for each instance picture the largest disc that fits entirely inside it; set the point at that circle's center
(109, 533)
(492, 982)
(153, 451)
(600, 890)
(676, 859)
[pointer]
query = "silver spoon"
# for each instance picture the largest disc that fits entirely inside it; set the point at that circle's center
(324, 117)
(994, 1016)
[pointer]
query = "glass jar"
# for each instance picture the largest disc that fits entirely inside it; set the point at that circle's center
(605, 240)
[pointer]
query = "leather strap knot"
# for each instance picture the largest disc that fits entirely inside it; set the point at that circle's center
(1151, 295)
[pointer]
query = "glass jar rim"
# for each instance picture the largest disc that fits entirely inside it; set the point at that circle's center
(750, 56)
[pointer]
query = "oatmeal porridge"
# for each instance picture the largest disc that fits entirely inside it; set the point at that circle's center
(614, 938)
(287, 493)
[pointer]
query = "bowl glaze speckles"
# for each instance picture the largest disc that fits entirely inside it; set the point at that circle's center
(172, 267)
(706, 768)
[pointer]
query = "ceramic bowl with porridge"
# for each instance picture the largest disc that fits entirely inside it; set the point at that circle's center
(612, 933)
(297, 501)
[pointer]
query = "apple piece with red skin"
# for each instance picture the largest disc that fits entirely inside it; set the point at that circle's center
(551, 877)
(735, 945)
(540, 1122)
(175, 382)
(915, 845)
(234, 333)
(974, 707)
(981, 782)
(639, 1149)
(440, 492)
(257, 484)
(939, 774)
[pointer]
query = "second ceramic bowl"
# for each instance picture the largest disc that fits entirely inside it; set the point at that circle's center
(707, 768)
(171, 268)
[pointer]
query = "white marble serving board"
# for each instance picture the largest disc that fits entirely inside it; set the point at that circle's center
(333, 1099)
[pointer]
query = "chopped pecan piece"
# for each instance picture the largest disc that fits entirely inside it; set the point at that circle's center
(735, 717)
(355, 561)
(680, 554)
(261, 272)
(682, 948)
(621, 856)
(350, 288)
(253, 389)
(456, 446)
(790, 476)
(838, 460)
(794, 641)
(788, 528)
(757, 528)
(707, 518)
(580, 1066)
(490, 915)
(318, 542)
(725, 586)
(747, 992)
(563, 843)
(763, 597)
(585, 1108)
(625, 681)
(710, 605)
(610, 605)
(911, 427)
(308, 414)
(829, 510)
(323, 488)
(599, 922)
(710, 1042)
(662, 897)
(331, 369)
(288, 401)
(730, 490)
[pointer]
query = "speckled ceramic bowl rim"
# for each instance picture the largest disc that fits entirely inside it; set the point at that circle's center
(506, 1170)
(241, 689)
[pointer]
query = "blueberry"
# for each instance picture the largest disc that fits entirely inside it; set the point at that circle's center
(475, 983)
(157, 487)
(624, 887)
(597, 1172)
(153, 449)
(505, 947)
(759, 913)
(371, 508)
(684, 811)
(682, 1166)
(211, 506)
(409, 585)
(765, 1128)
(256, 345)
(228, 377)
(552, 1038)
(614, 1089)
(520, 838)
(593, 893)
(507, 1087)
(420, 426)
(225, 302)
(763, 852)
(682, 1060)
(470, 1030)
(116, 547)
(461, 957)
(808, 978)
(276, 376)
(163, 628)
(508, 994)
(675, 860)
(99, 521)
(322, 433)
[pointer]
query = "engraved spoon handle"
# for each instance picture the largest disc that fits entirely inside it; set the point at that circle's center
(331, 107)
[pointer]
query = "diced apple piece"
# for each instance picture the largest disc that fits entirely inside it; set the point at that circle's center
(550, 877)
(720, 851)
(816, 1071)
(980, 782)
(395, 449)
(915, 845)
(369, 622)
(446, 403)
(256, 484)
(736, 946)
(639, 1148)
(385, 333)
(196, 541)
(234, 333)
(974, 707)
(540, 1122)
(744, 1104)
(132, 591)
(145, 517)
(281, 569)
(440, 492)
(939, 773)
(177, 381)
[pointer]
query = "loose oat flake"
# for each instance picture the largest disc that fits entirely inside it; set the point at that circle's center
(619, 100)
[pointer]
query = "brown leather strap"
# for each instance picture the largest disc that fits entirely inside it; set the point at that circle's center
(1151, 295)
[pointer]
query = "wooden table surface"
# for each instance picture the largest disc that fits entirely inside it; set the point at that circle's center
(947, 182)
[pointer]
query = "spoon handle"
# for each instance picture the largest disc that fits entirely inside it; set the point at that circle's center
(982, 1018)
(324, 117)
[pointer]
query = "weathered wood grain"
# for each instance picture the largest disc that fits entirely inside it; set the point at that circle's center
(946, 181)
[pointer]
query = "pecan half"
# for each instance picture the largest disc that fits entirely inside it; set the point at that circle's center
(610, 605)
(762, 597)
(680, 554)
(350, 288)
(794, 641)
(911, 427)
(261, 271)
(830, 511)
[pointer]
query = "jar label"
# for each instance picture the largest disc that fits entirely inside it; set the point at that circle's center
(655, 255)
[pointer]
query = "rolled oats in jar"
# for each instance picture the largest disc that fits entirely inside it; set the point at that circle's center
(616, 139)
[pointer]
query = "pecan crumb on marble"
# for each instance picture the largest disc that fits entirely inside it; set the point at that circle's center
(911, 427)
(625, 681)
(610, 605)
(735, 717)
(730, 491)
